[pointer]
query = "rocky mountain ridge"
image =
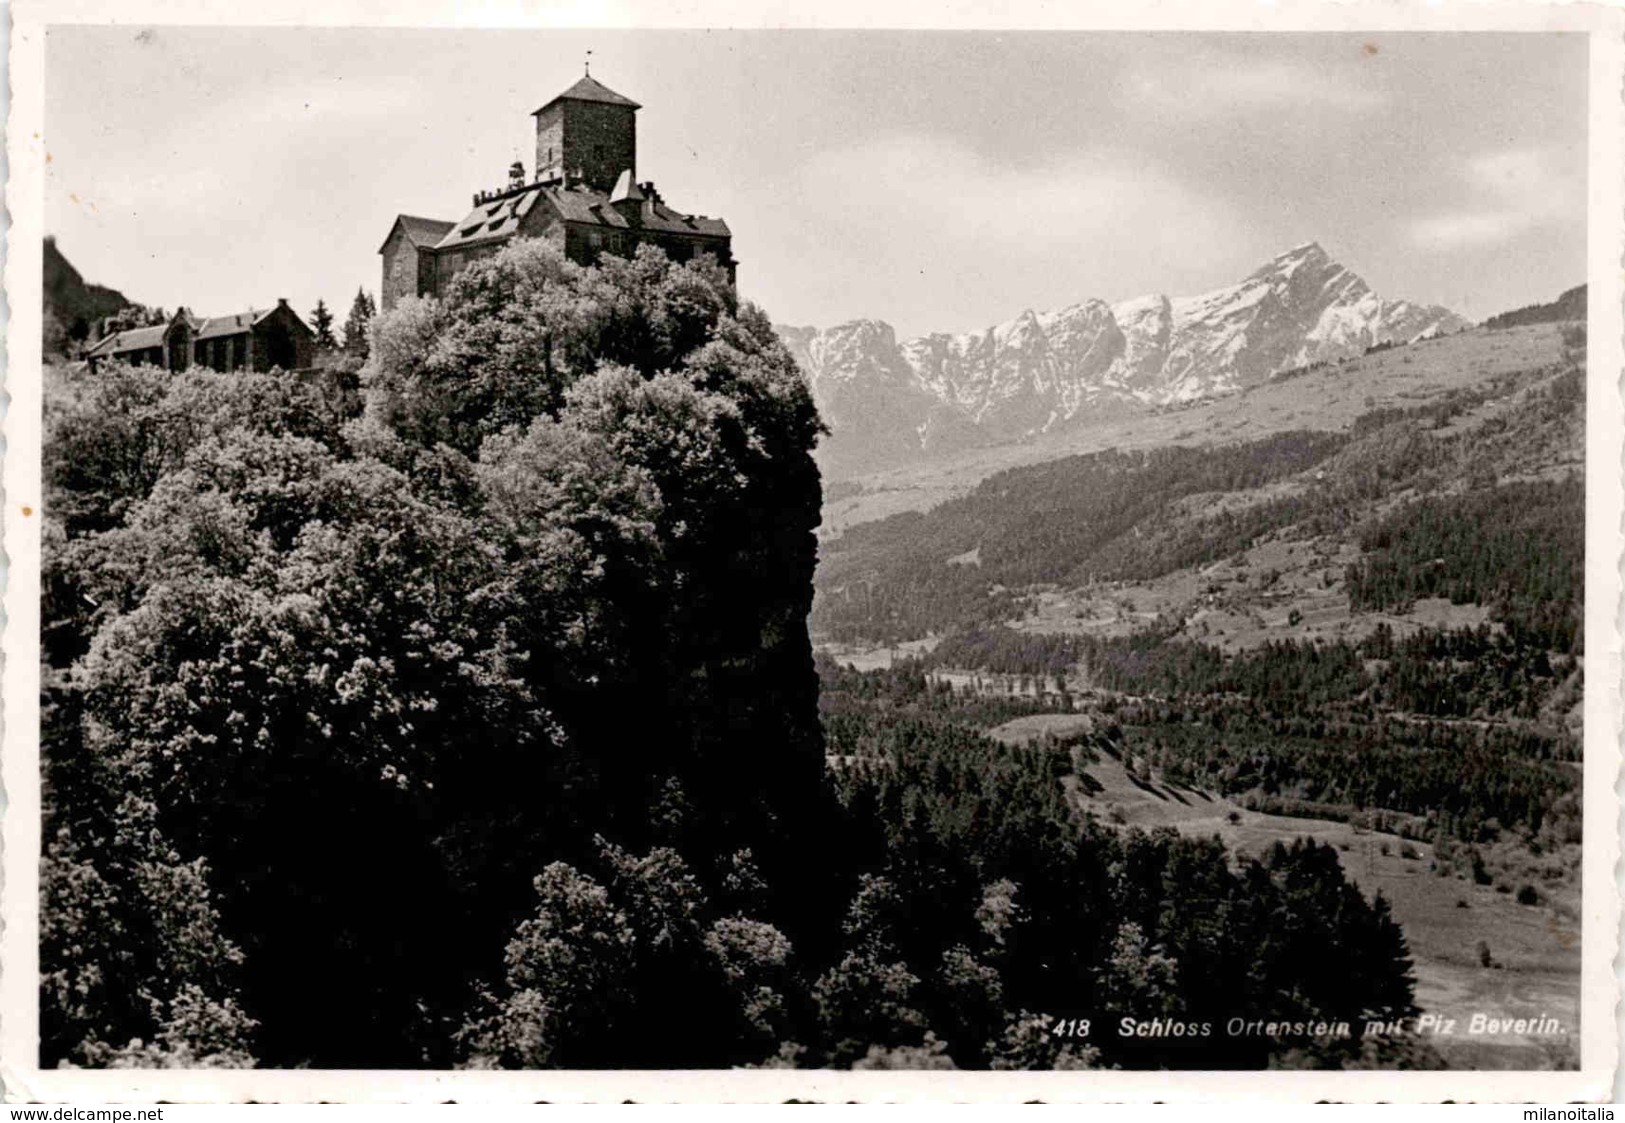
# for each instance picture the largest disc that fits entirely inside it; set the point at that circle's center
(889, 402)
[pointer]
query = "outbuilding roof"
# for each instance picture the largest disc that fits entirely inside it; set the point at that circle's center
(234, 324)
(132, 339)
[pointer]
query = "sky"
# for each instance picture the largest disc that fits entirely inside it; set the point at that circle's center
(942, 181)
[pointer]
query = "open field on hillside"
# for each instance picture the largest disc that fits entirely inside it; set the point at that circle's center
(1286, 586)
(866, 658)
(1327, 398)
(1534, 949)
(1277, 590)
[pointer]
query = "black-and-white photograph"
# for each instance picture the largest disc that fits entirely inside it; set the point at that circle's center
(845, 550)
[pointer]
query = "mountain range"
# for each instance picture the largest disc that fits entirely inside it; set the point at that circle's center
(890, 403)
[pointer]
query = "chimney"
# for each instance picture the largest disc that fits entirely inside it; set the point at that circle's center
(516, 175)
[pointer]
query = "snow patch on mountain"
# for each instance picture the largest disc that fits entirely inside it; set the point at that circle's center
(888, 401)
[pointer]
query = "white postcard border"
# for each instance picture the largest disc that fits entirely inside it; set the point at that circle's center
(22, 1080)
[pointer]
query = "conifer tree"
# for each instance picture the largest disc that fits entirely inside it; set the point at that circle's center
(322, 318)
(356, 327)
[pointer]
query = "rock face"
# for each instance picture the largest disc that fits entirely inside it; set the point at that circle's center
(889, 403)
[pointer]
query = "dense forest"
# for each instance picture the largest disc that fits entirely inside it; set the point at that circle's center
(992, 897)
(1569, 306)
(1519, 547)
(462, 711)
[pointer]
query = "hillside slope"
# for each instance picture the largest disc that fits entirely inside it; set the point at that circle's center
(1329, 396)
(1052, 539)
(72, 305)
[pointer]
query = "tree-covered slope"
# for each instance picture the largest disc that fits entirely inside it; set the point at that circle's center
(467, 715)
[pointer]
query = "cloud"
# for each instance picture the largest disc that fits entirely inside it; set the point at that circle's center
(944, 189)
(950, 238)
(1508, 193)
(1209, 87)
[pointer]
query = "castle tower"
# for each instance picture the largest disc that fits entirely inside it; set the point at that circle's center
(587, 134)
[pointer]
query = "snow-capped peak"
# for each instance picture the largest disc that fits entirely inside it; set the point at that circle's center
(1040, 370)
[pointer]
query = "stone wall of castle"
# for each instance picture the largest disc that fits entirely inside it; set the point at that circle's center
(600, 141)
(401, 269)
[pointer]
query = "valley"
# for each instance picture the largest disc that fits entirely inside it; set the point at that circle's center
(1341, 604)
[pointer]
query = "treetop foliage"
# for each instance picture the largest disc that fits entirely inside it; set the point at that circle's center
(468, 614)
(466, 714)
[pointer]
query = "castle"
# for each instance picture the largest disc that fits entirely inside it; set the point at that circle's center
(585, 199)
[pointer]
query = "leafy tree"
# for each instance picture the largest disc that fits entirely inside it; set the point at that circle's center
(600, 962)
(566, 978)
(133, 316)
(1030, 1042)
(418, 672)
(1137, 979)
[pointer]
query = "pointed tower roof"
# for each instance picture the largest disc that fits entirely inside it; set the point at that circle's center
(626, 190)
(589, 88)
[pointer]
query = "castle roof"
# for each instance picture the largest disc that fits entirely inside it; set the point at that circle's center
(491, 221)
(419, 231)
(584, 205)
(590, 89)
(499, 219)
